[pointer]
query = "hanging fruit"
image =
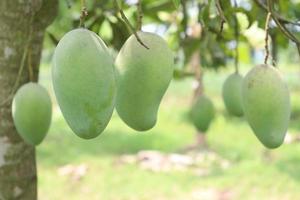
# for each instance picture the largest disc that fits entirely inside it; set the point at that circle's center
(32, 111)
(202, 113)
(266, 103)
(84, 82)
(144, 76)
(232, 94)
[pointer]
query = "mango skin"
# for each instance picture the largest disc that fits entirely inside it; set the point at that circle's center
(266, 103)
(32, 112)
(84, 82)
(202, 113)
(144, 76)
(232, 94)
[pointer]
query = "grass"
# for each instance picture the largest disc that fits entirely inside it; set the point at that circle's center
(254, 173)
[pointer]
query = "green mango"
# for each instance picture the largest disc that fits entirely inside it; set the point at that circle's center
(232, 94)
(32, 112)
(144, 76)
(84, 82)
(266, 103)
(202, 113)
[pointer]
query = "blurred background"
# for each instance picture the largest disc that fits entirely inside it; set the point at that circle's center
(164, 163)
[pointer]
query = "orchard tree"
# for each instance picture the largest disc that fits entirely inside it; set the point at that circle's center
(204, 34)
(22, 28)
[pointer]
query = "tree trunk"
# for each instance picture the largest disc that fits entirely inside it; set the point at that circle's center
(22, 27)
(198, 91)
(195, 65)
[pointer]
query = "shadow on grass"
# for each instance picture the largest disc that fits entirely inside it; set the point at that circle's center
(69, 147)
(62, 146)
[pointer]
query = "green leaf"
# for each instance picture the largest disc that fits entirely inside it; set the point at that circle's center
(176, 3)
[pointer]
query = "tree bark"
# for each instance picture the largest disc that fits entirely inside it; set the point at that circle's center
(22, 27)
(195, 65)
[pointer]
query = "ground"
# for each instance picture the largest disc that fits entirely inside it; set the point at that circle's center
(75, 169)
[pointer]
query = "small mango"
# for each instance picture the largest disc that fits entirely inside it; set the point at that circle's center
(84, 82)
(266, 103)
(202, 113)
(144, 76)
(232, 94)
(32, 112)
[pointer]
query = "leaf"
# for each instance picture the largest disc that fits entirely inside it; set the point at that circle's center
(246, 13)
(176, 3)
(204, 13)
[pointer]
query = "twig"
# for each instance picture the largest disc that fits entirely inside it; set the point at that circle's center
(282, 27)
(267, 37)
(129, 25)
(236, 35)
(139, 15)
(84, 13)
(30, 68)
(221, 14)
(53, 39)
(279, 17)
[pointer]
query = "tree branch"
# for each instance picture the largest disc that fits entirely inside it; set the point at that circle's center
(282, 27)
(129, 25)
(139, 15)
(267, 37)
(279, 17)
(84, 13)
(221, 14)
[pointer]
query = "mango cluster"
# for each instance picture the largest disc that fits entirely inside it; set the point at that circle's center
(88, 84)
(262, 97)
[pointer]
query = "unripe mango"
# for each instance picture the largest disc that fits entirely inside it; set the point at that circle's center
(266, 103)
(144, 76)
(32, 112)
(84, 82)
(232, 94)
(202, 113)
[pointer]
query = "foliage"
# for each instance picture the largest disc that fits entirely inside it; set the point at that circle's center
(190, 26)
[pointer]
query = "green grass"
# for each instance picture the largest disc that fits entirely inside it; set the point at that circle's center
(254, 173)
